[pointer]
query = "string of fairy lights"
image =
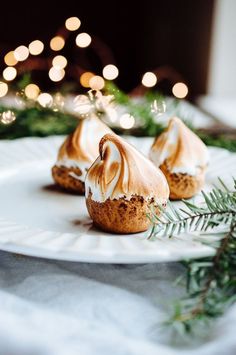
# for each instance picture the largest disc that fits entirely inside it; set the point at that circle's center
(17, 58)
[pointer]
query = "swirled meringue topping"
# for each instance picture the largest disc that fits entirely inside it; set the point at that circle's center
(181, 149)
(80, 148)
(122, 171)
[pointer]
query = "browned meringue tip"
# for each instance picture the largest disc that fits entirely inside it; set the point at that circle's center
(109, 137)
(83, 143)
(182, 157)
(78, 152)
(122, 170)
(180, 148)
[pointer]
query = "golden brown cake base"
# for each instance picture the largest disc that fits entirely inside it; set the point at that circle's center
(183, 186)
(62, 177)
(121, 216)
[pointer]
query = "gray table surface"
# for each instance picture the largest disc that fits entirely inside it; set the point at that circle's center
(65, 308)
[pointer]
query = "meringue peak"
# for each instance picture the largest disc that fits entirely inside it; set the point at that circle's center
(80, 148)
(122, 171)
(82, 144)
(181, 149)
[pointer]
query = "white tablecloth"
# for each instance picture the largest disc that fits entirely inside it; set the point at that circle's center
(62, 308)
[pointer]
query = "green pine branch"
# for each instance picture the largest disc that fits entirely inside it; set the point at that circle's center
(219, 208)
(210, 282)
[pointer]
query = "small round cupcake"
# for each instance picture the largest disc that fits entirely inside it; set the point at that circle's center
(77, 153)
(122, 187)
(182, 157)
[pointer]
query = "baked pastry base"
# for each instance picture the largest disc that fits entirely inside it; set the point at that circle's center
(120, 215)
(62, 177)
(183, 186)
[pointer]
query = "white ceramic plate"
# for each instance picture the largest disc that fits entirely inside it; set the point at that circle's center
(37, 220)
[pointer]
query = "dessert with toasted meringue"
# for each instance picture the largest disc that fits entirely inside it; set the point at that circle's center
(182, 157)
(121, 187)
(77, 153)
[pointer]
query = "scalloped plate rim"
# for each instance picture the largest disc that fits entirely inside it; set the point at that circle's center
(90, 255)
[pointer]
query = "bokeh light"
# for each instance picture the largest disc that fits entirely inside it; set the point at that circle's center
(158, 107)
(10, 59)
(149, 79)
(9, 73)
(21, 53)
(180, 90)
(56, 74)
(72, 23)
(83, 40)
(45, 99)
(7, 117)
(57, 43)
(85, 79)
(3, 89)
(59, 62)
(127, 121)
(32, 91)
(58, 102)
(96, 82)
(110, 72)
(36, 47)
(20, 98)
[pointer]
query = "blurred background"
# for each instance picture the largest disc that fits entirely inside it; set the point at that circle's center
(180, 48)
(173, 38)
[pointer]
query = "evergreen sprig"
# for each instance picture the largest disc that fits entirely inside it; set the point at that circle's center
(210, 282)
(36, 121)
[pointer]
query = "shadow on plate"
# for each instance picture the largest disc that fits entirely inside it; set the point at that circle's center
(87, 224)
(57, 189)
